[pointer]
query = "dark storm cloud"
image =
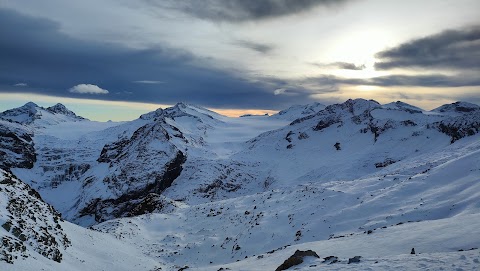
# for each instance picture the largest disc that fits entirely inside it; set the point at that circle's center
(433, 80)
(240, 10)
(451, 49)
(255, 46)
(33, 51)
(340, 65)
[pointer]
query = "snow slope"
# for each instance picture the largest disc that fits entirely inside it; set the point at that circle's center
(184, 186)
(298, 111)
(439, 253)
(420, 189)
(95, 171)
(34, 237)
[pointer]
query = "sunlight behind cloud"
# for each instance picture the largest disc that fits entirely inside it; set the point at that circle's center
(367, 88)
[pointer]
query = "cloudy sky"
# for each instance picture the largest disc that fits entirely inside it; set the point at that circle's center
(115, 59)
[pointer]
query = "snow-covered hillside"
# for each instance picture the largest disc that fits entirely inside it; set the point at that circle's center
(35, 237)
(299, 111)
(32, 113)
(185, 187)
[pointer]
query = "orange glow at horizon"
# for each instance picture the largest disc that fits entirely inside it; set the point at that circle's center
(240, 112)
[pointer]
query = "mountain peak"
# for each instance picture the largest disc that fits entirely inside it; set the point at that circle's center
(358, 106)
(181, 105)
(26, 113)
(59, 106)
(399, 105)
(459, 107)
(30, 105)
(62, 110)
(362, 101)
(152, 115)
(178, 110)
(298, 111)
(30, 112)
(185, 109)
(354, 107)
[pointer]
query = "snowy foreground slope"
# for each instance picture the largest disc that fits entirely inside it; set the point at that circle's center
(186, 187)
(34, 237)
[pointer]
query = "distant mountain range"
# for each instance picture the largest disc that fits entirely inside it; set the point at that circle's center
(185, 187)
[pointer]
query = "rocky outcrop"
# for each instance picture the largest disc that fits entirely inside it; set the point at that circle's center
(458, 107)
(461, 126)
(355, 259)
(16, 147)
(144, 199)
(296, 259)
(462, 119)
(28, 223)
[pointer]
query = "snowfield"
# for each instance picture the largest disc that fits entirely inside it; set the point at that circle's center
(186, 188)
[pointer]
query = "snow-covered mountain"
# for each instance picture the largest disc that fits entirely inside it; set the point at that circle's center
(185, 187)
(32, 113)
(298, 111)
(459, 107)
(402, 106)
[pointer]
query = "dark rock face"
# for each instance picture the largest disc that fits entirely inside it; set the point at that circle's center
(140, 201)
(330, 259)
(296, 259)
(355, 259)
(325, 123)
(460, 127)
(459, 107)
(16, 147)
(72, 172)
(217, 185)
(130, 160)
(385, 163)
(408, 123)
(32, 223)
(303, 135)
(289, 137)
(378, 127)
(149, 204)
(112, 151)
(229, 178)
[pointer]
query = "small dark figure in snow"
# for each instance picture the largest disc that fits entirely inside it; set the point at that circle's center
(337, 146)
(413, 251)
